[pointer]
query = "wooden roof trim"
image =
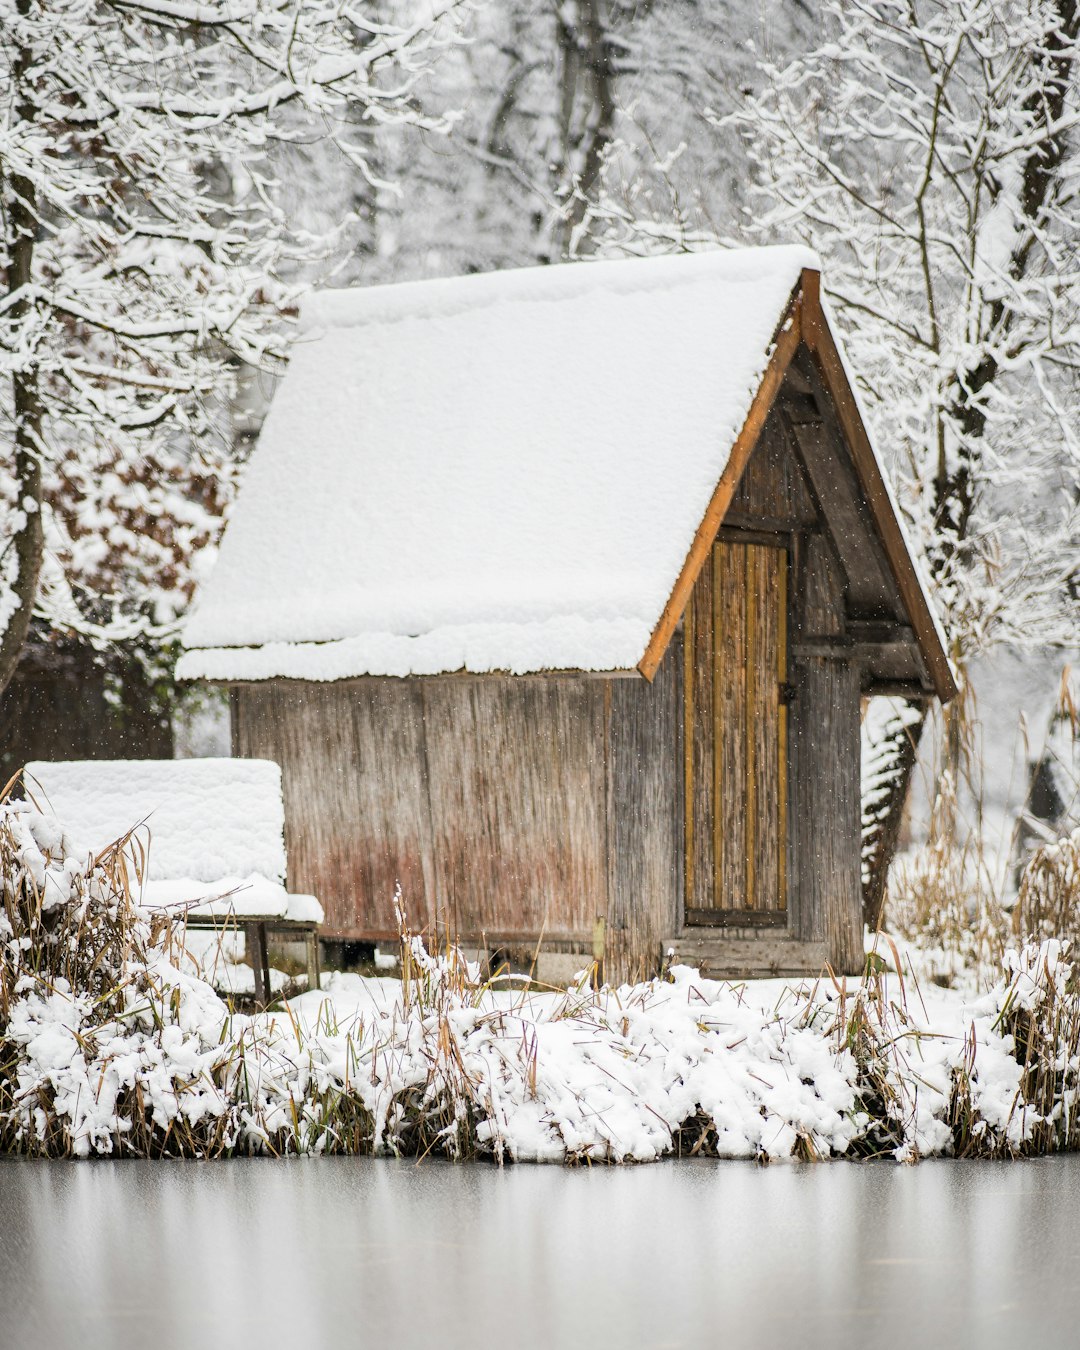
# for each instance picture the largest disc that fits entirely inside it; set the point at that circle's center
(788, 336)
(819, 339)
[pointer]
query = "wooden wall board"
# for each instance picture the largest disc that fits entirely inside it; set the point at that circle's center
(645, 834)
(773, 487)
(700, 782)
(516, 784)
(356, 815)
(820, 600)
(486, 798)
(827, 765)
(733, 824)
(755, 956)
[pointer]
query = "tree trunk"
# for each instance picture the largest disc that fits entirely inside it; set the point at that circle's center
(587, 111)
(28, 541)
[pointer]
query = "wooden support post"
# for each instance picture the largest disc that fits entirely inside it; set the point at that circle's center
(255, 938)
(313, 980)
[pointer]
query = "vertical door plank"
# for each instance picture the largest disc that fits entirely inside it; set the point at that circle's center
(760, 729)
(700, 746)
(782, 729)
(689, 695)
(750, 724)
(733, 839)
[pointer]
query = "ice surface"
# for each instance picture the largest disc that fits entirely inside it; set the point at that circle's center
(494, 472)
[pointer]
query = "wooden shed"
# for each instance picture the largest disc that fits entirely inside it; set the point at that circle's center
(555, 594)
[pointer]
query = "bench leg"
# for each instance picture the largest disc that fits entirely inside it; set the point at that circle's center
(313, 960)
(255, 935)
(264, 959)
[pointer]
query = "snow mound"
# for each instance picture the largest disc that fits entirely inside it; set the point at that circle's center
(208, 818)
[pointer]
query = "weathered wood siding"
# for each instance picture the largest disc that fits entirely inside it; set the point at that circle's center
(699, 722)
(516, 783)
(507, 808)
(825, 759)
(827, 831)
(645, 825)
(357, 820)
(772, 492)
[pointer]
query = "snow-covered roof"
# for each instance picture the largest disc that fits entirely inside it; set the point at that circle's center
(498, 472)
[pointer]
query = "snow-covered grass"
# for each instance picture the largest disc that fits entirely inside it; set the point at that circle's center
(947, 916)
(107, 1046)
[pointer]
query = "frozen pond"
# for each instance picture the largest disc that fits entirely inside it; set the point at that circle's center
(344, 1252)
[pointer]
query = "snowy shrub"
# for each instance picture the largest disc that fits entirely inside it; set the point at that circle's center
(104, 1046)
(996, 1078)
(1048, 904)
(944, 901)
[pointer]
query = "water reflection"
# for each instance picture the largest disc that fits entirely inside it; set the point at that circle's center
(333, 1252)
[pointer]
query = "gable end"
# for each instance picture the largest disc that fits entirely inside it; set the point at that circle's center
(890, 571)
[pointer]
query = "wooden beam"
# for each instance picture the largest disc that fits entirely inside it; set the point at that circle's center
(877, 634)
(737, 918)
(826, 648)
(765, 953)
(819, 340)
(786, 343)
(289, 681)
(765, 537)
(838, 491)
(738, 522)
(908, 689)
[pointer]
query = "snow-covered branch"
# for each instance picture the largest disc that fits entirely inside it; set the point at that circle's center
(145, 249)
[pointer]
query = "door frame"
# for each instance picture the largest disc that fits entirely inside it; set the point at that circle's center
(757, 920)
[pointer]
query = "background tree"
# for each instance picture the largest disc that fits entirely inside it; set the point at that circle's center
(142, 250)
(926, 148)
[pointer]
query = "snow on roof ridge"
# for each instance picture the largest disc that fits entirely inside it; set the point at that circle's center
(442, 297)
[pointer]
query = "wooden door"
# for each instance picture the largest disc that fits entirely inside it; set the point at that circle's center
(736, 737)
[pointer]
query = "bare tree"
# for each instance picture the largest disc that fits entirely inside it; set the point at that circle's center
(142, 245)
(926, 148)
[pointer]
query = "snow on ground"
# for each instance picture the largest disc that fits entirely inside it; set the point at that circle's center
(615, 1075)
(109, 1045)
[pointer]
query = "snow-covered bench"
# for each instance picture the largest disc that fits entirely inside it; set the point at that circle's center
(217, 841)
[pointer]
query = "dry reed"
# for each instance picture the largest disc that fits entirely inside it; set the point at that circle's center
(106, 1047)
